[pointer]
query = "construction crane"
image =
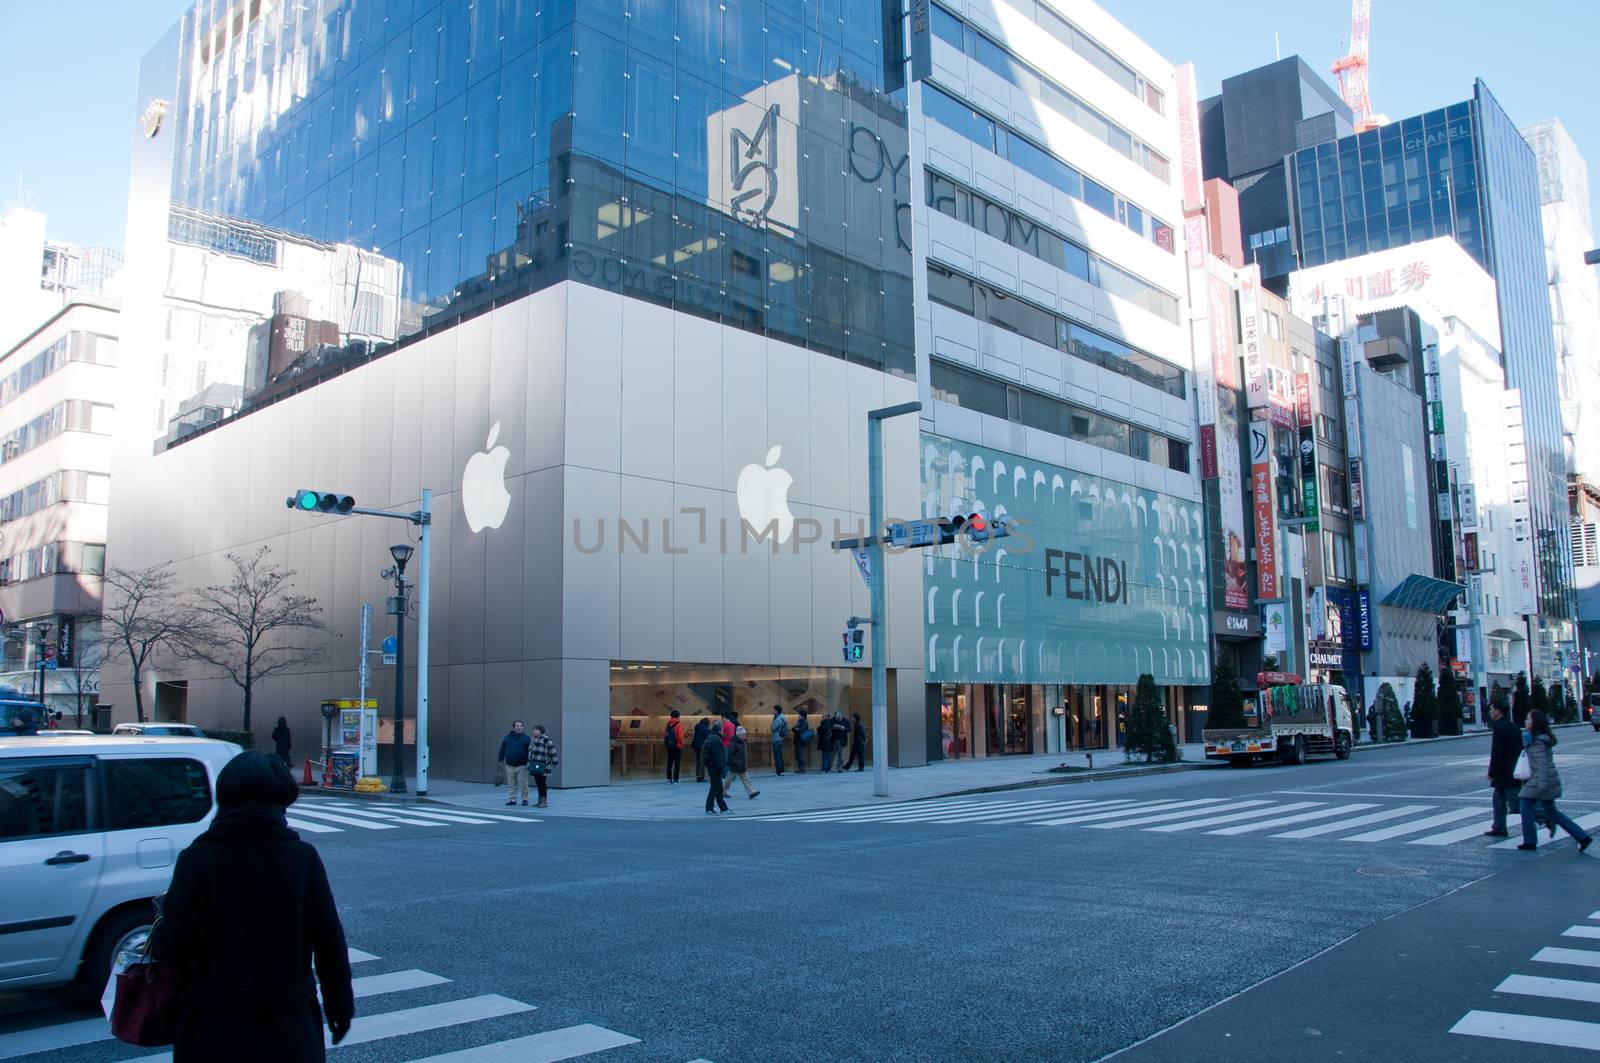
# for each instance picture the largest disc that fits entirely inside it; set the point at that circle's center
(1352, 68)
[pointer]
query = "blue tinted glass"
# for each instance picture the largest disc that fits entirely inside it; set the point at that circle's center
(947, 27)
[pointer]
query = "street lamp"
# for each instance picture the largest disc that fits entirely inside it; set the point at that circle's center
(401, 552)
(44, 640)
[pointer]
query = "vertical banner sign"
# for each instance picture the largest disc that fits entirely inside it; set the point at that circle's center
(1255, 367)
(1469, 542)
(1464, 645)
(1308, 447)
(66, 640)
(1274, 621)
(1189, 137)
(1358, 504)
(1364, 618)
(921, 41)
(1208, 451)
(1318, 610)
(1224, 362)
(1230, 492)
(1266, 515)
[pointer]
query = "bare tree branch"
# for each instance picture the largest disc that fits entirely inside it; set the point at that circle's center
(141, 617)
(254, 625)
(83, 677)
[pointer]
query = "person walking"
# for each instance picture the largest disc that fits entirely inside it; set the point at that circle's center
(739, 763)
(698, 744)
(1505, 745)
(780, 731)
(715, 759)
(825, 742)
(841, 736)
(858, 744)
(248, 914)
(514, 755)
(1543, 787)
(802, 728)
(674, 743)
(542, 760)
(280, 741)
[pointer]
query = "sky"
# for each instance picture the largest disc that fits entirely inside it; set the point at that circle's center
(69, 68)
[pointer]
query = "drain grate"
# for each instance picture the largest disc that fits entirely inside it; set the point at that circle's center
(1390, 872)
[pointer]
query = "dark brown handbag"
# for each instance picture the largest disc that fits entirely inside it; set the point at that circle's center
(146, 1009)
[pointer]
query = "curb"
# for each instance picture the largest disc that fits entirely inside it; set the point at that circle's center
(1100, 775)
(1422, 743)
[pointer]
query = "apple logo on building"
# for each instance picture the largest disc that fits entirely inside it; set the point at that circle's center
(763, 494)
(484, 497)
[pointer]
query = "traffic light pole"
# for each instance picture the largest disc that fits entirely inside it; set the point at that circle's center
(880, 641)
(424, 526)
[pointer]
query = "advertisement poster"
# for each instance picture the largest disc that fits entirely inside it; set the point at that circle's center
(1265, 512)
(1364, 619)
(1223, 362)
(1308, 447)
(1230, 489)
(1274, 620)
(1208, 451)
(1358, 505)
(1255, 362)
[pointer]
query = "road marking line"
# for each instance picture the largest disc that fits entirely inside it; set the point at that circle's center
(1016, 808)
(1530, 1029)
(1175, 813)
(384, 817)
(1402, 797)
(1594, 915)
(50, 1038)
(1574, 957)
(1205, 804)
(312, 828)
(1450, 837)
(918, 808)
(1581, 932)
(431, 1017)
(1591, 820)
(1303, 817)
(549, 1047)
(375, 984)
(865, 817)
(449, 817)
(1234, 817)
(349, 821)
(471, 817)
(1559, 988)
(1351, 824)
(357, 956)
(1414, 826)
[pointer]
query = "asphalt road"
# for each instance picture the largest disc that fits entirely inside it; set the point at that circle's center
(971, 928)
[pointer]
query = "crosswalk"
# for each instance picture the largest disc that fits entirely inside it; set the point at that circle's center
(377, 1020)
(325, 815)
(1293, 818)
(1546, 987)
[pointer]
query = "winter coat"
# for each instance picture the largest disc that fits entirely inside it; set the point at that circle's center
(514, 749)
(841, 731)
(542, 755)
(1504, 748)
(780, 728)
(799, 729)
(825, 734)
(701, 729)
(248, 911)
(674, 736)
(715, 755)
(280, 739)
(1545, 783)
(859, 734)
(736, 754)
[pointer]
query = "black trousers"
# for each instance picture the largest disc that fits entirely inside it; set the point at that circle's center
(674, 763)
(856, 758)
(699, 766)
(714, 793)
(542, 779)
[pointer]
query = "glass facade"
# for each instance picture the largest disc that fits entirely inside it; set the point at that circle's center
(378, 170)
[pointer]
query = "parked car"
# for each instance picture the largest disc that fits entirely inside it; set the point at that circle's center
(89, 831)
(159, 730)
(63, 732)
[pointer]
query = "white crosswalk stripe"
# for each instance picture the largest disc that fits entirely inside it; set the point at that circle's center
(1412, 827)
(1176, 813)
(1589, 822)
(523, 1045)
(1351, 824)
(1558, 988)
(1232, 817)
(1284, 821)
(1544, 1029)
(1530, 1029)
(322, 815)
(1128, 810)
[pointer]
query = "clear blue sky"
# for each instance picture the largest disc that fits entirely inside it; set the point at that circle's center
(69, 69)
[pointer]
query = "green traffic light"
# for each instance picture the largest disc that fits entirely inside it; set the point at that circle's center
(309, 501)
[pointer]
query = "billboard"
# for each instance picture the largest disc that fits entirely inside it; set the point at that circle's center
(1255, 359)
(1266, 516)
(1230, 495)
(1224, 364)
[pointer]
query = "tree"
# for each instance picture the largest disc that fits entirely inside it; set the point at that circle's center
(1520, 700)
(83, 678)
(1424, 705)
(1388, 706)
(1148, 732)
(1562, 708)
(1540, 697)
(1449, 703)
(141, 618)
(1227, 703)
(254, 625)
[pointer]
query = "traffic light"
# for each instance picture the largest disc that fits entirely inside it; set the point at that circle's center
(978, 528)
(854, 644)
(307, 500)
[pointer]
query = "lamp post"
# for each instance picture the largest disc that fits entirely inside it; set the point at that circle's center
(44, 640)
(401, 552)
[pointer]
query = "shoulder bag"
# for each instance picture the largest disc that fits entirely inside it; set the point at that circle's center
(1524, 770)
(146, 1009)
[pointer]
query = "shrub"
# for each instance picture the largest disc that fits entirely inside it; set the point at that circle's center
(1227, 703)
(1449, 703)
(242, 739)
(1148, 732)
(1424, 706)
(1394, 724)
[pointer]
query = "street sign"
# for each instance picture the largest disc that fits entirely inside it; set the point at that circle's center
(391, 646)
(50, 664)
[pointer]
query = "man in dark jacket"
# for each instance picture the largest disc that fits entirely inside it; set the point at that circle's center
(801, 726)
(1505, 746)
(841, 736)
(514, 755)
(698, 744)
(714, 755)
(858, 744)
(825, 742)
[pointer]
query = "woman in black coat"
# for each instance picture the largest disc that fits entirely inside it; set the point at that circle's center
(248, 911)
(281, 739)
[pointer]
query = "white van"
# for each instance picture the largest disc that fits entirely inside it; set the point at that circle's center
(89, 831)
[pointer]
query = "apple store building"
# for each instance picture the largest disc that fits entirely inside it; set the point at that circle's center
(619, 293)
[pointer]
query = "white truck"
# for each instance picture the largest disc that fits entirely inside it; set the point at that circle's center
(1294, 720)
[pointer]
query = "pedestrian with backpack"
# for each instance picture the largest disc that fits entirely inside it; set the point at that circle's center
(698, 744)
(674, 743)
(802, 735)
(542, 760)
(780, 731)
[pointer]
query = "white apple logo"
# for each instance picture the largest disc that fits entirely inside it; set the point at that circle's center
(763, 494)
(484, 497)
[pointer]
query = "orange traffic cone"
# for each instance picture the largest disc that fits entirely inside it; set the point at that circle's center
(307, 780)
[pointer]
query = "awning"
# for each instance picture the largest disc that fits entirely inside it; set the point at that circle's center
(1423, 594)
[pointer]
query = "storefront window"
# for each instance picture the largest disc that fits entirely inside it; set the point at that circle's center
(955, 723)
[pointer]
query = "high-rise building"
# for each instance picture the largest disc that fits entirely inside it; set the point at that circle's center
(1462, 171)
(658, 268)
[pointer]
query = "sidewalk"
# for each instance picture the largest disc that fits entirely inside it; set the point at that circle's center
(653, 799)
